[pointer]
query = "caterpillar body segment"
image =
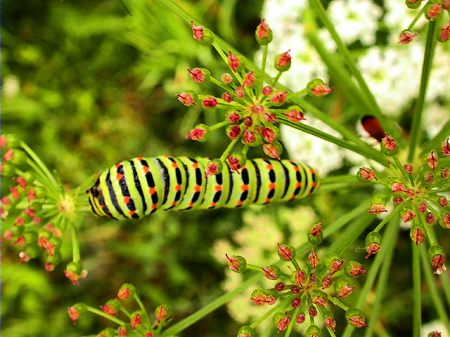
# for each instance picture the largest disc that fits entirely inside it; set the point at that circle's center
(141, 186)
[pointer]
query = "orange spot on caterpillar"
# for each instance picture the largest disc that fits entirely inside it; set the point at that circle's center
(174, 165)
(272, 186)
(177, 187)
(119, 176)
(213, 204)
(132, 212)
(298, 184)
(218, 188)
(244, 188)
(190, 204)
(266, 200)
(146, 169)
(174, 203)
(154, 206)
(269, 166)
(239, 203)
(126, 200)
(197, 188)
(194, 165)
(151, 190)
(139, 158)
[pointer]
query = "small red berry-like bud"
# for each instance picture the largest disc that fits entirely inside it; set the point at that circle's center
(281, 321)
(406, 37)
(162, 313)
(312, 311)
(296, 302)
(279, 97)
(240, 91)
(417, 234)
(273, 150)
(249, 79)
(434, 334)
(299, 277)
(286, 252)
(413, 4)
(246, 331)
(236, 161)
(335, 265)
(422, 208)
(430, 218)
(397, 199)
(283, 61)
(233, 131)
(199, 75)
(209, 102)
(213, 167)
(267, 90)
(344, 288)
(280, 286)
(445, 173)
(8, 156)
(15, 194)
(315, 235)
(201, 34)
(251, 138)
(227, 97)
(356, 317)
(446, 220)
(354, 269)
(327, 281)
(261, 297)
(446, 4)
(236, 263)
(295, 114)
(432, 160)
(444, 32)
(187, 98)
(295, 290)
(408, 168)
(125, 291)
(443, 201)
(109, 309)
(398, 187)
(122, 331)
(199, 133)
(319, 299)
(366, 174)
(74, 312)
(74, 271)
(411, 192)
(330, 322)
(271, 272)
(428, 177)
(263, 33)
(270, 117)
(135, 320)
(233, 61)
(313, 259)
(408, 215)
(300, 318)
(318, 88)
(445, 148)
(227, 78)
(313, 331)
(270, 134)
(388, 145)
(377, 208)
(437, 259)
(433, 11)
(233, 116)
(373, 243)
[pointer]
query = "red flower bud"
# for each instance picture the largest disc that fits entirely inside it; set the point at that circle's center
(281, 322)
(279, 97)
(445, 148)
(240, 91)
(417, 235)
(299, 277)
(430, 218)
(74, 313)
(443, 201)
(296, 302)
(199, 133)
(444, 32)
(377, 208)
(269, 134)
(437, 259)
(246, 331)
(428, 177)
(446, 220)
(186, 98)
(226, 96)
(286, 252)
(330, 322)
(213, 167)
(445, 173)
(408, 168)
(300, 318)
(267, 90)
(236, 263)
(335, 265)
(135, 320)
(366, 174)
(233, 61)
(236, 161)
(312, 311)
(313, 259)
(263, 33)
(295, 114)
(356, 318)
(406, 37)
(125, 292)
(199, 75)
(261, 297)
(433, 11)
(209, 102)
(355, 269)
(249, 79)
(280, 286)
(327, 281)
(202, 35)
(408, 215)
(432, 160)
(398, 187)
(273, 150)
(388, 145)
(373, 243)
(344, 288)
(233, 116)
(271, 272)
(162, 313)
(250, 138)
(318, 88)
(109, 309)
(283, 61)
(422, 208)
(227, 78)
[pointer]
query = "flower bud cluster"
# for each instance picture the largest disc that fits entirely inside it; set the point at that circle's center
(126, 309)
(419, 194)
(432, 11)
(303, 287)
(35, 211)
(252, 106)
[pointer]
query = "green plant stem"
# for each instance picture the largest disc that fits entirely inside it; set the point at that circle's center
(325, 136)
(141, 306)
(75, 245)
(446, 286)
(219, 84)
(265, 49)
(417, 17)
(426, 71)
(337, 302)
(390, 237)
(372, 104)
(345, 219)
(298, 94)
(291, 323)
(387, 218)
(105, 315)
(431, 283)
(417, 298)
(210, 307)
(267, 314)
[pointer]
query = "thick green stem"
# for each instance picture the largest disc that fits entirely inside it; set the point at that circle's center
(75, 246)
(417, 300)
(426, 71)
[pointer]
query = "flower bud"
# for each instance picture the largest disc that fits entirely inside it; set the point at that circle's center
(236, 161)
(162, 313)
(236, 263)
(413, 4)
(377, 208)
(240, 91)
(444, 32)
(445, 148)
(279, 97)
(417, 234)
(300, 318)
(126, 291)
(355, 317)
(199, 133)
(261, 297)
(270, 134)
(373, 243)
(273, 150)
(344, 287)
(246, 331)
(408, 168)
(354, 269)
(312, 311)
(430, 218)
(366, 174)
(136, 320)
(286, 252)
(233, 61)
(318, 88)
(313, 331)
(187, 98)
(295, 114)
(111, 307)
(406, 37)
(398, 187)
(226, 78)
(233, 131)
(300, 277)
(281, 321)
(227, 97)
(327, 281)
(213, 167)
(432, 160)
(283, 61)
(388, 145)
(267, 90)
(422, 208)
(445, 173)
(249, 79)
(408, 215)
(201, 34)
(315, 235)
(75, 311)
(233, 116)
(199, 75)
(263, 33)
(296, 302)
(319, 299)
(313, 259)
(443, 201)
(437, 255)
(433, 11)
(251, 138)
(446, 220)
(329, 321)
(209, 102)
(428, 177)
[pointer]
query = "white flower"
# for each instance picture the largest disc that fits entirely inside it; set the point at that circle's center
(355, 20)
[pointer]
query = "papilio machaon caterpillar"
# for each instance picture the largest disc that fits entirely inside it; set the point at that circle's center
(141, 186)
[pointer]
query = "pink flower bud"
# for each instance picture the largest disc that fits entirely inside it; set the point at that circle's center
(330, 322)
(299, 277)
(446, 4)
(355, 269)
(445, 148)
(199, 75)
(227, 78)
(201, 35)
(273, 150)
(367, 174)
(282, 323)
(313, 259)
(249, 138)
(74, 314)
(286, 252)
(186, 98)
(445, 173)
(408, 168)
(318, 88)
(433, 11)
(296, 302)
(446, 220)
(280, 286)
(406, 37)
(108, 309)
(226, 96)
(422, 207)
(213, 167)
(356, 318)
(300, 318)
(397, 199)
(388, 145)
(319, 300)
(327, 281)
(209, 102)
(135, 320)
(233, 61)
(263, 33)
(335, 266)
(199, 133)
(271, 273)
(295, 114)
(398, 187)
(430, 218)
(236, 161)
(377, 208)
(233, 116)
(236, 263)
(249, 79)
(234, 131)
(417, 235)
(269, 134)
(279, 97)
(270, 117)
(437, 259)
(312, 311)
(428, 177)
(345, 290)
(408, 215)
(267, 90)
(283, 61)
(432, 160)
(443, 201)
(444, 32)
(240, 91)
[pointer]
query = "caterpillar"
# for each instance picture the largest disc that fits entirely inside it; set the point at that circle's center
(134, 188)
